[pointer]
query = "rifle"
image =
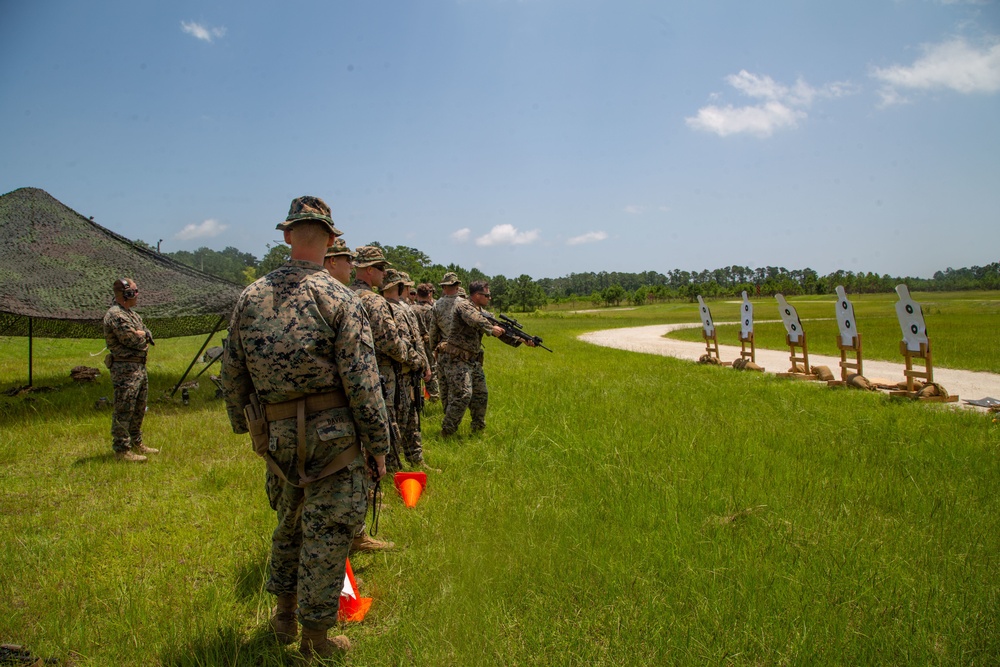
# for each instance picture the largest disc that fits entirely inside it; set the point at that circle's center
(513, 328)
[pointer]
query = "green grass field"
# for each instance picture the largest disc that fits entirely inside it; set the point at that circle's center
(620, 509)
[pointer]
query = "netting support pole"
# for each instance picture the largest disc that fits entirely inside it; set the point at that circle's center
(198, 354)
(30, 359)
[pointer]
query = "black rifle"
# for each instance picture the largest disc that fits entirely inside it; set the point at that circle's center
(513, 328)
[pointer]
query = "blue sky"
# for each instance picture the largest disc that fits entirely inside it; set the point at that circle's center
(543, 137)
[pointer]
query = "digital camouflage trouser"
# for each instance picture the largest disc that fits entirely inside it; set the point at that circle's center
(466, 390)
(316, 524)
(131, 386)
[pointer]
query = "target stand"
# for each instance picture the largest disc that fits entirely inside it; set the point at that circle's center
(708, 333)
(746, 332)
(915, 346)
(795, 338)
(849, 333)
(923, 355)
(848, 367)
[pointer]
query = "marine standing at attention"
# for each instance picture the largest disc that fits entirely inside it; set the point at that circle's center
(128, 342)
(300, 345)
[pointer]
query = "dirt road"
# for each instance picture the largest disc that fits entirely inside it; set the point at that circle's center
(967, 385)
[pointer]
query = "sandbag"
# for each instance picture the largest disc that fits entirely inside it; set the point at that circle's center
(823, 373)
(858, 382)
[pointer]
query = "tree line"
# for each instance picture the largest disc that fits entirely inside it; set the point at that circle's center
(525, 293)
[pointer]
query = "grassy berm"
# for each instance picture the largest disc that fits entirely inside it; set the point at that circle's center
(620, 509)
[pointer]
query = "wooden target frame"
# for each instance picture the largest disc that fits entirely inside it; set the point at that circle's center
(795, 338)
(708, 332)
(915, 347)
(849, 332)
(746, 331)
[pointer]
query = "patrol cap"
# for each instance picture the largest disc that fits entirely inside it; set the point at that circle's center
(369, 255)
(450, 278)
(392, 277)
(338, 249)
(308, 208)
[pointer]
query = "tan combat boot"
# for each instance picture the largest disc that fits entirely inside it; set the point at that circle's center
(283, 621)
(129, 457)
(364, 542)
(143, 449)
(315, 645)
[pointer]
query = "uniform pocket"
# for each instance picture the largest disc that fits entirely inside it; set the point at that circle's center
(333, 429)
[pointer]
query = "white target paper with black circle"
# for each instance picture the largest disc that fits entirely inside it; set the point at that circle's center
(707, 325)
(911, 320)
(790, 318)
(845, 319)
(746, 321)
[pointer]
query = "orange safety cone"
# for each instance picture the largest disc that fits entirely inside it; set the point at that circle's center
(352, 607)
(410, 485)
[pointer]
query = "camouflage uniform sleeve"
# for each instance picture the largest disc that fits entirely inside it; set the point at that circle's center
(359, 374)
(387, 337)
(467, 311)
(513, 341)
(433, 331)
(118, 324)
(236, 381)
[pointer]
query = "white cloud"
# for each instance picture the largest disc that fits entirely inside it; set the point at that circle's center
(761, 121)
(462, 235)
(204, 33)
(507, 235)
(589, 237)
(780, 105)
(952, 65)
(634, 209)
(207, 229)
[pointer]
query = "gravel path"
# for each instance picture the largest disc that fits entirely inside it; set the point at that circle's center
(969, 385)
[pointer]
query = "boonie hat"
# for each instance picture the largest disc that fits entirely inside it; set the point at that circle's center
(308, 208)
(369, 255)
(338, 249)
(450, 278)
(406, 278)
(392, 277)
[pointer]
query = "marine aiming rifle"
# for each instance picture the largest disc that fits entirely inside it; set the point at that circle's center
(513, 328)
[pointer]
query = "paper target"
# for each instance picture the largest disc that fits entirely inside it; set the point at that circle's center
(911, 320)
(706, 318)
(746, 319)
(790, 318)
(845, 318)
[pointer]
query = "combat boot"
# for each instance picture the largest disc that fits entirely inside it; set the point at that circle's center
(423, 465)
(143, 449)
(129, 457)
(315, 645)
(283, 621)
(365, 542)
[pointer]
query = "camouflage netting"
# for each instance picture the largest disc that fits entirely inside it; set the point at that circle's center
(57, 268)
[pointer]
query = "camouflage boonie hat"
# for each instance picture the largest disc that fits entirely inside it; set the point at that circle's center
(392, 277)
(406, 279)
(450, 278)
(369, 255)
(461, 293)
(308, 208)
(338, 249)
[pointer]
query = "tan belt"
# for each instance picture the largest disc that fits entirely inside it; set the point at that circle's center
(299, 408)
(456, 351)
(310, 402)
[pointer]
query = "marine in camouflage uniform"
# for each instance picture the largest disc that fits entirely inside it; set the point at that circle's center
(409, 378)
(391, 351)
(299, 335)
(440, 325)
(128, 342)
(422, 309)
(462, 350)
